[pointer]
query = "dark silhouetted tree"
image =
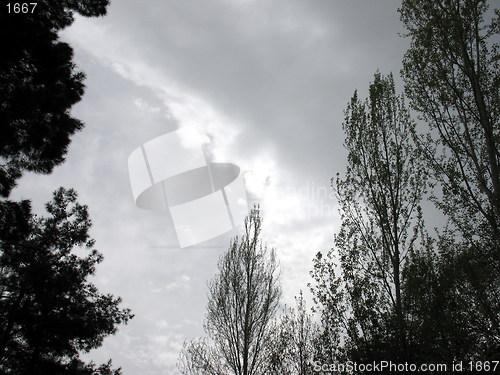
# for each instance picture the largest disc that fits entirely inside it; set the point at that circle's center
(38, 86)
(293, 341)
(49, 311)
(361, 301)
(451, 74)
(242, 302)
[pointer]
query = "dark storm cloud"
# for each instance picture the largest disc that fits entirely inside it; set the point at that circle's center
(285, 68)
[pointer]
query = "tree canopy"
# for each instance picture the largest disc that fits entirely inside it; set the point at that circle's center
(381, 227)
(39, 83)
(451, 75)
(242, 301)
(388, 290)
(49, 311)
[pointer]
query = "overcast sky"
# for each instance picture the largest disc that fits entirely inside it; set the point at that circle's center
(267, 81)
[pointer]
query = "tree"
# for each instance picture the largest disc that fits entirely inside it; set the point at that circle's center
(379, 199)
(242, 301)
(49, 311)
(441, 325)
(452, 79)
(293, 340)
(38, 86)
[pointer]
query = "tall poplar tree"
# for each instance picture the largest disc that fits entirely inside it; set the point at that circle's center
(451, 74)
(381, 228)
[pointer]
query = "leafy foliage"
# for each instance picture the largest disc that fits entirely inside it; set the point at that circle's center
(452, 78)
(49, 311)
(293, 338)
(38, 86)
(381, 227)
(451, 74)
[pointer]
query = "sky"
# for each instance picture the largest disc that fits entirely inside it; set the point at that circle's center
(266, 81)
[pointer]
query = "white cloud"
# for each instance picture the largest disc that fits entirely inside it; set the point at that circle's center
(199, 122)
(145, 106)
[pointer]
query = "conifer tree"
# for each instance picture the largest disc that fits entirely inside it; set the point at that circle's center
(39, 83)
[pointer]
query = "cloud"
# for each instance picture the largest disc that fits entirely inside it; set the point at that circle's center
(145, 106)
(180, 282)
